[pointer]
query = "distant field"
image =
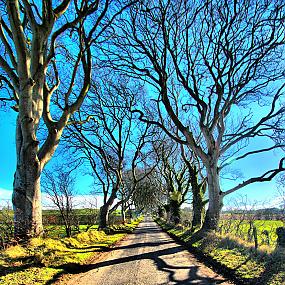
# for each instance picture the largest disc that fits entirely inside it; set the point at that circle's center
(266, 230)
(58, 231)
(236, 227)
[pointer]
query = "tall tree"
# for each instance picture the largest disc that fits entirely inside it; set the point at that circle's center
(45, 56)
(109, 139)
(226, 58)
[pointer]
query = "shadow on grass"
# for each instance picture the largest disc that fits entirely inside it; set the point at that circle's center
(274, 265)
(94, 247)
(5, 270)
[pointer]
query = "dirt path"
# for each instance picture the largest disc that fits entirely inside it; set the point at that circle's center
(150, 257)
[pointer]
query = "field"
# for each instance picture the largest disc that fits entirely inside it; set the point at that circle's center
(243, 229)
(245, 226)
(82, 219)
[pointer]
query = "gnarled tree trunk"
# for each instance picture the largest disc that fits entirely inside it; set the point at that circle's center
(26, 188)
(105, 210)
(104, 216)
(215, 200)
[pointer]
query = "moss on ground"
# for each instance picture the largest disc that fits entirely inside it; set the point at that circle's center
(264, 266)
(44, 260)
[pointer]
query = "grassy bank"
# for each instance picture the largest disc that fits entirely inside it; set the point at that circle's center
(235, 258)
(45, 260)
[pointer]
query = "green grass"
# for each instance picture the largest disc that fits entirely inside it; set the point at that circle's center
(264, 266)
(230, 226)
(44, 260)
(58, 231)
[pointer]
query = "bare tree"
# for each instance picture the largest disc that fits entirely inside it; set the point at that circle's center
(59, 185)
(183, 177)
(45, 56)
(106, 139)
(226, 59)
(148, 195)
(138, 172)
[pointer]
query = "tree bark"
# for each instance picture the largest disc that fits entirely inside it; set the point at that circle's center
(105, 210)
(215, 200)
(27, 193)
(104, 216)
(123, 216)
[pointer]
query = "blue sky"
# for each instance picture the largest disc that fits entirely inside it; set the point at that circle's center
(265, 193)
(8, 158)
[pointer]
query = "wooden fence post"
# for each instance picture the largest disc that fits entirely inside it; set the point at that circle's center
(254, 232)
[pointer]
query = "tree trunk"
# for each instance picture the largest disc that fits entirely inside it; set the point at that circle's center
(174, 211)
(167, 212)
(123, 213)
(68, 230)
(105, 209)
(26, 189)
(280, 237)
(215, 200)
(198, 206)
(104, 216)
(123, 216)
(161, 212)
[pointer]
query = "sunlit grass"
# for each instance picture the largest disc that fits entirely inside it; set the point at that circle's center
(43, 260)
(264, 265)
(262, 226)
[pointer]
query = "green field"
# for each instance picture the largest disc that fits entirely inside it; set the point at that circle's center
(266, 230)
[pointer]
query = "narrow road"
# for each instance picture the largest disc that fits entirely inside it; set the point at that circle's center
(150, 257)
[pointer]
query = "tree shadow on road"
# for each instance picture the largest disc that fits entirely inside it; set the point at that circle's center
(157, 256)
(142, 244)
(193, 275)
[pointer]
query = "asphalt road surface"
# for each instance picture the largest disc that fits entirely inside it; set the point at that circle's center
(148, 256)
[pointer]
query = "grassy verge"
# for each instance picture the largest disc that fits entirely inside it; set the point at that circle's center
(44, 260)
(234, 257)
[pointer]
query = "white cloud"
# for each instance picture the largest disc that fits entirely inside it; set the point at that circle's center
(278, 202)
